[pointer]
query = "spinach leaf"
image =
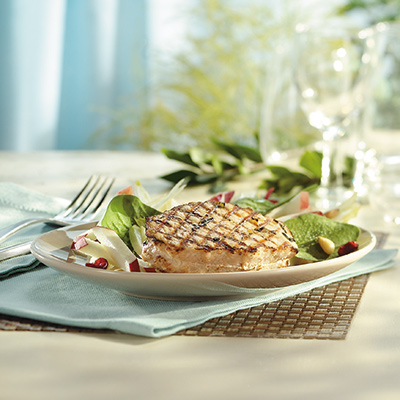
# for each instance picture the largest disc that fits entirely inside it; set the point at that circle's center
(122, 212)
(307, 227)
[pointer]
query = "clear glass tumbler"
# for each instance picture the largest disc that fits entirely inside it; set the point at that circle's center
(384, 187)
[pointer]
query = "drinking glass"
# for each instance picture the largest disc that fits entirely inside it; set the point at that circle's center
(381, 134)
(332, 71)
(384, 187)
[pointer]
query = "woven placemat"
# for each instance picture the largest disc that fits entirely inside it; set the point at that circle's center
(321, 313)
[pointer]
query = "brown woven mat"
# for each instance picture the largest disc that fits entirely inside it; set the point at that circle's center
(322, 313)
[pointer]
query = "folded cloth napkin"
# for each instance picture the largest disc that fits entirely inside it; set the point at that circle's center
(16, 204)
(47, 295)
(44, 294)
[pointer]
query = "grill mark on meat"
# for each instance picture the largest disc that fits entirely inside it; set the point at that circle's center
(204, 241)
(208, 240)
(215, 230)
(179, 223)
(216, 237)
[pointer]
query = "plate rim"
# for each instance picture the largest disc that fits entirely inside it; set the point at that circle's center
(343, 259)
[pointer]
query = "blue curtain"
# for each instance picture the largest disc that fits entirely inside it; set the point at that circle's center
(65, 64)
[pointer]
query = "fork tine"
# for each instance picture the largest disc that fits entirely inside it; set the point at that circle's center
(86, 204)
(88, 197)
(97, 200)
(79, 198)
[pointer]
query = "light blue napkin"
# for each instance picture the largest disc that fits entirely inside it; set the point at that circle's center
(47, 295)
(44, 294)
(18, 203)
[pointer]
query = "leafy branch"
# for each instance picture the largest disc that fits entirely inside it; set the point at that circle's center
(216, 166)
(228, 161)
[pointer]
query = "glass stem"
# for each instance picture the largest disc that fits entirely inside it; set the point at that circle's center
(331, 166)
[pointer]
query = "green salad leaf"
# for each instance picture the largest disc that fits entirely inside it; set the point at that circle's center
(125, 211)
(307, 227)
(264, 206)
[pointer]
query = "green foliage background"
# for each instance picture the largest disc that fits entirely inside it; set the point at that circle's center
(214, 86)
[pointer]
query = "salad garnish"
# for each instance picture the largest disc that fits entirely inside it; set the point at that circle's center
(307, 228)
(116, 243)
(126, 215)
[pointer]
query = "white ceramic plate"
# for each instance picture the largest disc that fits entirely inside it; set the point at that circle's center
(52, 249)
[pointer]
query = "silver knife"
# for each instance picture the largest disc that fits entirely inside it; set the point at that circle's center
(17, 250)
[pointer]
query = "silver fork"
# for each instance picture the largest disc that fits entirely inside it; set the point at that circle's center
(83, 207)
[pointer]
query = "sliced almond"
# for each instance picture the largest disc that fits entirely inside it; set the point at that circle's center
(326, 245)
(332, 213)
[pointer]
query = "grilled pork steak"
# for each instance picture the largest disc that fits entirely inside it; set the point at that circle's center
(212, 236)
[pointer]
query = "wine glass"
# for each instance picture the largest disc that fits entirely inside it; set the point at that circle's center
(332, 70)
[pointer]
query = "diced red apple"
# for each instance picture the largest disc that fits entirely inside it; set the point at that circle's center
(134, 266)
(348, 248)
(104, 243)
